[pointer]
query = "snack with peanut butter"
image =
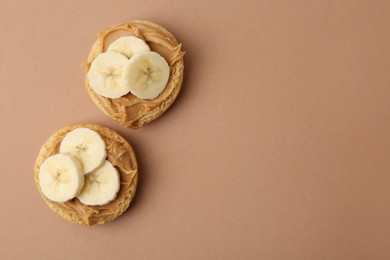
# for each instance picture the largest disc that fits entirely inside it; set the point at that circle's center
(135, 72)
(87, 174)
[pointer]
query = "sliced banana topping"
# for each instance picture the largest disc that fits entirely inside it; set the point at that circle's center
(129, 66)
(146, 74)
(101, 186)
(128, 45)
(87, 145)
(61, 177)
(105, 75)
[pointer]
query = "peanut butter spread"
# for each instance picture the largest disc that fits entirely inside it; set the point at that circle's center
(119, 153)
(129, 110)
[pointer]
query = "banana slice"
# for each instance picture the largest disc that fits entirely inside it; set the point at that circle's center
(146, 74)
(105, 75)
(61, 177)
(87, 145)
(128, 45)
(101, 186)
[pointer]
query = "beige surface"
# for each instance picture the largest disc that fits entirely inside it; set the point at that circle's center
(277, 147)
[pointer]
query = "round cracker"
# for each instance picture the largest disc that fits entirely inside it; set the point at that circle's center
(121, 156)
(116, 109)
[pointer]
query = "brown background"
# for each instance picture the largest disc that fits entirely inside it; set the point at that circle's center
(278, 146)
